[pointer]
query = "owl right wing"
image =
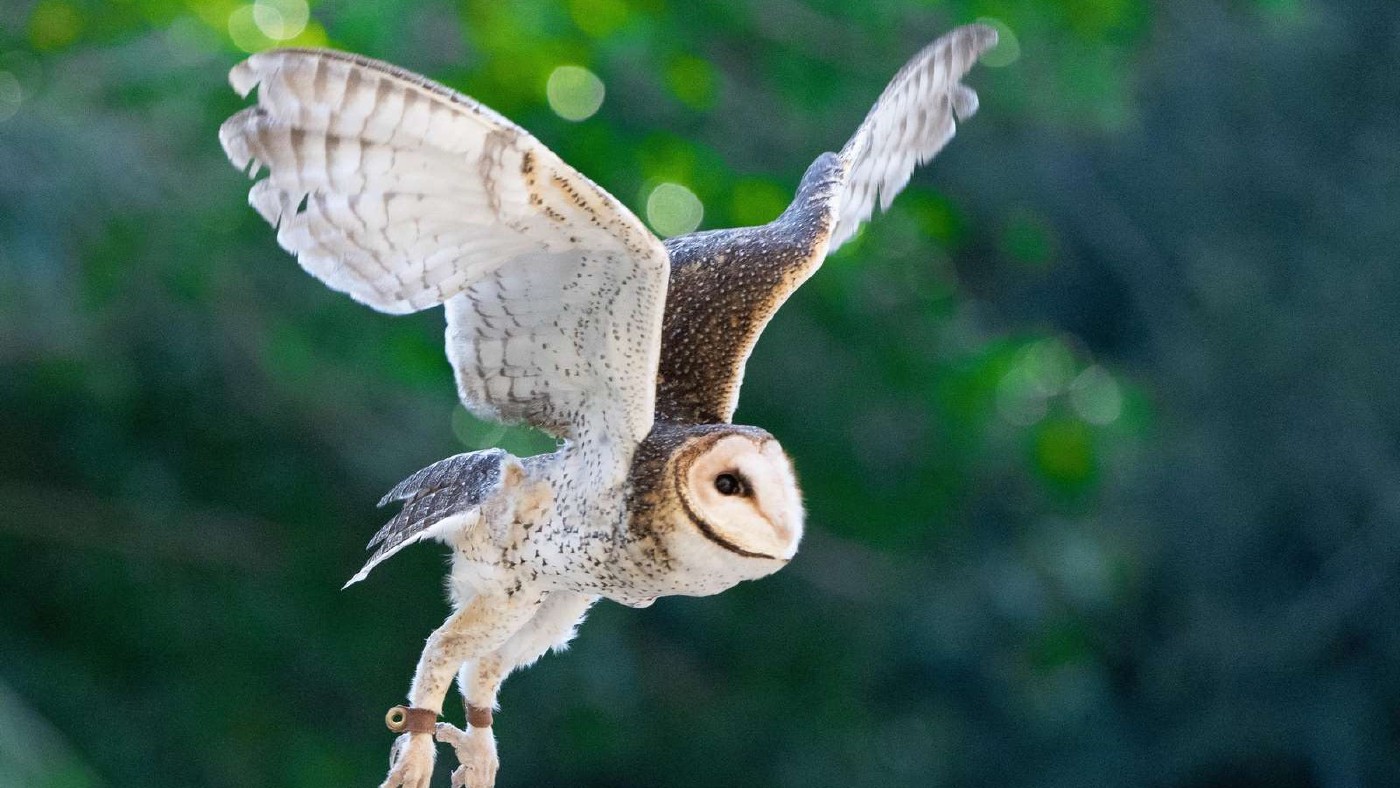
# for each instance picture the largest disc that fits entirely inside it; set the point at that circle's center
(727, 284)
(406, 194)
(910, 123)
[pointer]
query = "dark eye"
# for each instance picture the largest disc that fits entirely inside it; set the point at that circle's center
(729, 484)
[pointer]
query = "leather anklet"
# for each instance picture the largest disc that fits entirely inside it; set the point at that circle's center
(410, 719)
(478, 716)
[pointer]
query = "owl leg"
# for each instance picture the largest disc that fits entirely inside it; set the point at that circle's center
(553, 626)
(479, 627)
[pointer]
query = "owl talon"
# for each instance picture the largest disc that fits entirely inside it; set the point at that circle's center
(411, 761)
(476, 751)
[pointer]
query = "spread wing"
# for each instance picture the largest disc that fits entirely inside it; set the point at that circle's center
(406, 194)
(726, 285)
(910, 123)
(437, 498)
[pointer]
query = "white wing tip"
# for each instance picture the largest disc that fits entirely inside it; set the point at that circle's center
(245, 76)
(235, 146)
(965, 102)
(984, 36)
(270, 202)
(235, 143)
(378, 559)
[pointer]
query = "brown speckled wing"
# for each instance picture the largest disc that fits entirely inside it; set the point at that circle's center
(725, 287)
(727, 284)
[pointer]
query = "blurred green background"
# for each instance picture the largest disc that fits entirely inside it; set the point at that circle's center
(1099, 427)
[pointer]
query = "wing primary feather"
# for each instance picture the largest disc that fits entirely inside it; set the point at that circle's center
(406, 194)
(472, 469)
(447, 489)
(726, 284)
(910, 123)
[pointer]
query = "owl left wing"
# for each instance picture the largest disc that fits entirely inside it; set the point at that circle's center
(439, 499)
(406, 194)
(727, 284)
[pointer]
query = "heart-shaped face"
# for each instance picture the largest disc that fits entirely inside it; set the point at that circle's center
(740, 493)
(715, 505)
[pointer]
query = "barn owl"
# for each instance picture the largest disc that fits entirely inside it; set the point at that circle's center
(566, 313)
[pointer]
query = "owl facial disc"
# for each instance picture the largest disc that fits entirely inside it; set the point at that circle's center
(741, 494)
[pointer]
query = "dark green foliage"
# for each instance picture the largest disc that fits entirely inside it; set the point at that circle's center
(1098, 427)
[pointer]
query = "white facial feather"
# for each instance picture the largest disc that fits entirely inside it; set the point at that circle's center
(765, 516)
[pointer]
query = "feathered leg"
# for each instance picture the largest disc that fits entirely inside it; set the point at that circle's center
(482, 625)
(553, 626)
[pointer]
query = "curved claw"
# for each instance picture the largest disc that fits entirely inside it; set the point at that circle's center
(411, 761)
(476, 751)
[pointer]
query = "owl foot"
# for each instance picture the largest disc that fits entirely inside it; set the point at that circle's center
(411, 761)
(476, 751)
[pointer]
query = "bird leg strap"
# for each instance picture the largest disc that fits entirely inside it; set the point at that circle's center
(478, 716)
(409, 719)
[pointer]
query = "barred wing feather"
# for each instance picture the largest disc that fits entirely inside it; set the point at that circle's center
(913, 119)
(406, 194)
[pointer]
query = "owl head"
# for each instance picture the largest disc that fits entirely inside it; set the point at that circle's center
(715, 505)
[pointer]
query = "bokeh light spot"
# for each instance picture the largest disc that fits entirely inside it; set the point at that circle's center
(243, 30)
(672, 209)
(10, 95)
(1008, 48)
(574, 92)
(1048, 366)
(281, 20)
(1019, 400)
(1095, 396)
(520, 440)
(1028, 239)
(598, 18)
(1064, 451)
(757, 201)
(691, 80)
(474, 433)
(935, 215)
(1041, 370)
(53, 25)
(665, 157)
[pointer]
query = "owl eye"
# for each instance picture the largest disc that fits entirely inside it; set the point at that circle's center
(730, 484)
